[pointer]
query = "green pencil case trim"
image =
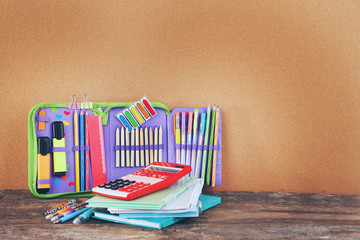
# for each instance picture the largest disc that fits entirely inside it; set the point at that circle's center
(32, 149)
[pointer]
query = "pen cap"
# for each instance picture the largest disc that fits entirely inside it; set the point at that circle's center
(58, 130)
(43, 145)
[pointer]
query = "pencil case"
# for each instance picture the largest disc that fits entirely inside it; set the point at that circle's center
(64, 185)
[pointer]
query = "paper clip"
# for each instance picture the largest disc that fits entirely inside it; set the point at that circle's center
(85, 103)
(74, 104)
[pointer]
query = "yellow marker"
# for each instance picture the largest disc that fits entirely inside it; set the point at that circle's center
(76, 143)
(59, 157)
(137, 115)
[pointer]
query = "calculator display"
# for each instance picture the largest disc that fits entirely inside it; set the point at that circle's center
(163, 169)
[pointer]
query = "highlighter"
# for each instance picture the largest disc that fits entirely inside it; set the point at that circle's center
(43, 162)
(59, 158)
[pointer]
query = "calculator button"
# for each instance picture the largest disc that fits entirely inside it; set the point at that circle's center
(132, 182)
(101, 186)
(107, 186)
(120, 185)
(126, 183)
(114, 188)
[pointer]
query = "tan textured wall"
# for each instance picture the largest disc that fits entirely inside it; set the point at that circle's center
(286, 74)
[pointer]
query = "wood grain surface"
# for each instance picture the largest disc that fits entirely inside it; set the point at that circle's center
(241, 215)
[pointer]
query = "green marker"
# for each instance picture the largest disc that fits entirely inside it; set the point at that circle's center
(206, 140)
(131, 118)
(211, 142)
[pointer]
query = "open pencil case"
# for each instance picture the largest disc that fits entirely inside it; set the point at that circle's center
(64, 186)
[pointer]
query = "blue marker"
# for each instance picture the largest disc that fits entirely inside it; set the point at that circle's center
(125, 122)
(201, 138)
(71, 216)
(82, 153)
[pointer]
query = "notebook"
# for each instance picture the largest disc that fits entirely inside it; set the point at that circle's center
(204, 202)
(155, 200)
(156, 223)
(186, 202)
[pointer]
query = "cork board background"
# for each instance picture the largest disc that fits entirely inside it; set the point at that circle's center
(285, 73)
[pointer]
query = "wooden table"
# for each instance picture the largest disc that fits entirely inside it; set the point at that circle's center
(241, 215)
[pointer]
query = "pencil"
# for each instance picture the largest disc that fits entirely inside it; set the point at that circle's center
(151, 141)
(76, 143)
(122, 133)
(215, 150)
(82, 153)
(87, 154)
(127, 147)
(137, 157)
(132, 152)
(142, 162)
(160, 143)
(156, 144)
(146, 146)
(117, 143)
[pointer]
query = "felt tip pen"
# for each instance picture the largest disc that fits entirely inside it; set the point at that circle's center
(177, 135)
(53, 219)
(71, 216)
(194, 142)
(206, 141)
(211, 143)
(188, 145)
(200, 143)
(183, 136)
(84, 216)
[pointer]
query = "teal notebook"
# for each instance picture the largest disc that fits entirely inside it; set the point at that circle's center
(155, 200)
(156, 223)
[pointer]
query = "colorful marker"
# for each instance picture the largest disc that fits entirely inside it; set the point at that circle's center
(43, 165)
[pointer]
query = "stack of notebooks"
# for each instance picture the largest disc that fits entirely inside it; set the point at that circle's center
(159, 209)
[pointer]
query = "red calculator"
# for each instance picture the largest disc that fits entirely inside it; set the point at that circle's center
(154, 177)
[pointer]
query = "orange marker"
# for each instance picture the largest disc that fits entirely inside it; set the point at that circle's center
(41, 125)
(43, 169)
(142, 110)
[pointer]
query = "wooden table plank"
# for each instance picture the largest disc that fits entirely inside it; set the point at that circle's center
(252, 215)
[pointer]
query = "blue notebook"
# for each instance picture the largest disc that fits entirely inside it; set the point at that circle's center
(206, 202)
